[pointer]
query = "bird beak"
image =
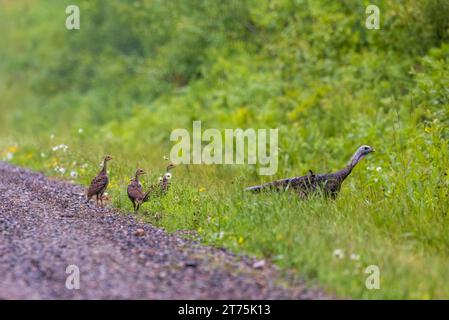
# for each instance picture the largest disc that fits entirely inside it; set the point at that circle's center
(374, 150)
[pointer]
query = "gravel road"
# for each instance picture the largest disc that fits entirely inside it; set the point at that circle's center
(45, 225)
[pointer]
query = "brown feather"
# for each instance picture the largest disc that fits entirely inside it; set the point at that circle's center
(99, 184)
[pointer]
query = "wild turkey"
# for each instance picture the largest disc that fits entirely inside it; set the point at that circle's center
(164, 181)
(99, 183)
(135, 192)
(329, 184)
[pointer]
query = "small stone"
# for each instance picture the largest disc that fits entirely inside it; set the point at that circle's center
(259, 264)
(190, 264)
(140, 232)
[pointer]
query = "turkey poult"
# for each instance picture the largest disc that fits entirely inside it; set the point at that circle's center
(135, 193)
(164, 181)
(99, 183)
(329, 184)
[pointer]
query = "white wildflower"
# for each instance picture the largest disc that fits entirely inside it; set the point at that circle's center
(219, 235)
(80, 130)
(355, 257)
(9, 156)
(378, 169)
(338, 253)
(62, 147)
(60, 170)
(73, 174)
(43, 155)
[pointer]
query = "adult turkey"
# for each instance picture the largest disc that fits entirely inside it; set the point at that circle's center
(329, 184)
(99, 183)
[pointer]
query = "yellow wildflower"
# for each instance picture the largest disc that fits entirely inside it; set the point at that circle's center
(12, 149)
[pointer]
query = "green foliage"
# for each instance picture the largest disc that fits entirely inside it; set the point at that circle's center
(138, 69)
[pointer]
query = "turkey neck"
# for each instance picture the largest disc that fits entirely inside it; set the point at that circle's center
(343, 173)
(105, 163)
(136, 178)
(346, 171)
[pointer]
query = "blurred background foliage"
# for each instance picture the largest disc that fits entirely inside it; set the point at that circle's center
(136, 70)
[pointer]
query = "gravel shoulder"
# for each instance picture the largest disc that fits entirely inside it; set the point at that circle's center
(45, 225)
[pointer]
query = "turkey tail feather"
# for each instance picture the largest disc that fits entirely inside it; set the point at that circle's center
(148, 194)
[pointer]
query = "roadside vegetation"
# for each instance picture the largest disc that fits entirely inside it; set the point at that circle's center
(136, 70)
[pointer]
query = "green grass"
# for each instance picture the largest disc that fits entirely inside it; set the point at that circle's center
(387, 217)
(261, 66)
